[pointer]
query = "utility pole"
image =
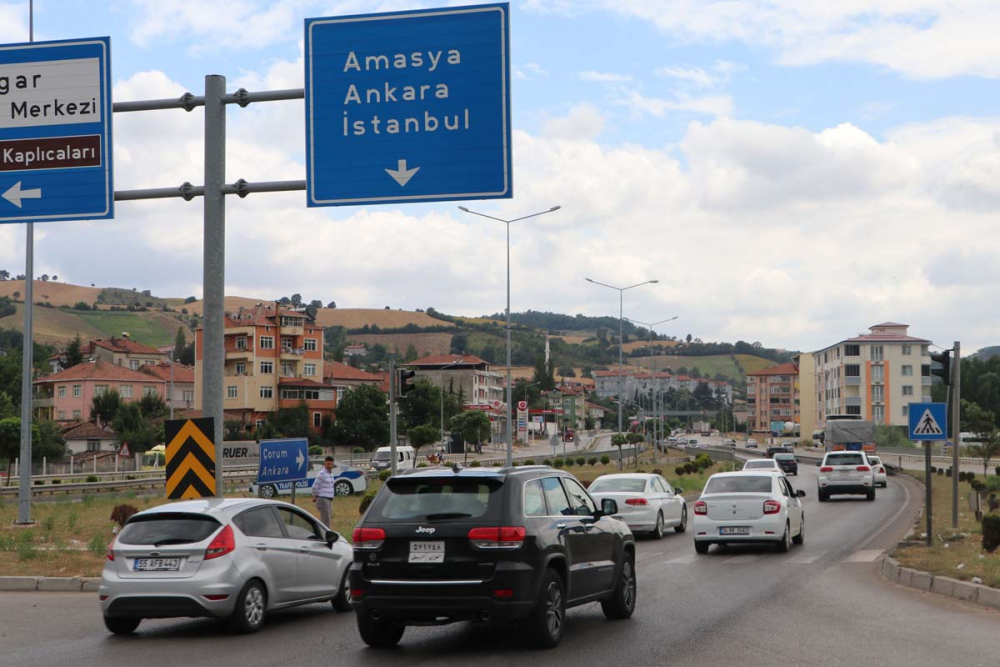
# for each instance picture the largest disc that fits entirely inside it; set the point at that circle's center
(928, 479)
(392, 411)
(956, 431)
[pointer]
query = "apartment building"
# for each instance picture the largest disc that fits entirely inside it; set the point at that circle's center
(773, 398)
(572, 401)
(875, 375)
(178, 376)
(344, 378)
(274, 360)
(118, 351)
(607, 383)
(462, 373)
(67, 395)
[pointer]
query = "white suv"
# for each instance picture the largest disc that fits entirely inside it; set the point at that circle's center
(846, 473)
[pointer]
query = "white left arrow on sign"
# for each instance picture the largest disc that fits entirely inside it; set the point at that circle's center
(401, 174)
(15, 194)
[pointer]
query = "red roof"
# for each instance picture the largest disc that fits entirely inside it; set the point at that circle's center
(885, 338)
(86, 430)
(182, 374)
(448, 359)
(334, 370)
(890, 324)
(125, 345)
(97, 370)
(787, 368)
(263, 316)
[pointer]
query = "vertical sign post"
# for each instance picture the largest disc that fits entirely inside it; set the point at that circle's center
(929, 424)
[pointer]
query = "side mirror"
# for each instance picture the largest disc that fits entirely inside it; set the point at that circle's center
(331, 537)
(800, 494)
(609, 506)
(679, 491)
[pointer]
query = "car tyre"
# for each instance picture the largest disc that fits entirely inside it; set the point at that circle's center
(684, 521)
(801, 537)
(546, 623)
(342, 489)
(785, 545)
(701, 547)
(870, 496)
(121, 625)
(342, 600)
(822, 495)
(251, 608)
(268, 491)
(379, 634)
(657, 532)
(621, 604)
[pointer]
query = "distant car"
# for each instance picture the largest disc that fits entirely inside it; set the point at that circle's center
(881, 478)
(777, 449)
(234, 558)
(748, 506)
(728, 442)
(692, 442)
(706, 434)
(750, 444)
(846, 473)
(672, 439)
(570, 435)
(787, 463)
(346, 480)
(646, 503)
(769, 465)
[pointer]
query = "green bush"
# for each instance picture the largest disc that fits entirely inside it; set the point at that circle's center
(997, 471)
(26, 551)
(39, 482)
(947, 473)
(690, 468)
(421, 465)
(366, 501)
(475, 464)
(961, 476)
(568, 462)
(940, 471)
(529, 462)
(48, 523)
(384, 475)
(90, 479)
(59, 481)
(605, 460)
(559, 463)
(680, 471)
(71, 520)
(315, 450)
(658, 471)
(547, 462)
(98, 544)
(969, 476)
(933, 469)
(592, 461)
(991, 532)
(581, 461)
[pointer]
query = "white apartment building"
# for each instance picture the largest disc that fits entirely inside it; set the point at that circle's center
(607, 383)
(874, 375)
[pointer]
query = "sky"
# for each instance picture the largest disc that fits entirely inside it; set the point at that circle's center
(790, 171)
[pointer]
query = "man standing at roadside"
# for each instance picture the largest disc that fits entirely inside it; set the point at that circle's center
(322, 491)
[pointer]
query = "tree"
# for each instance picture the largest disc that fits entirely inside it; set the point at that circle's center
(10, 440)
(316, 303)
(55, 277)
(74, 352)
(180, 342)
(332, 304)
(544, 374)
(411, 353)
(296, 299)
(459, 343)
(190, 299)
(982, 424)
(45, 277)
(618, 440)
(152, 406)
(292, 422)
(688, 338)
(4, 274)
(470, 426)
(104, 408)
(7, 406)
(51, 444)
(702, 396)
(422, 435)
(186, 356)
(422, 405)
(361, 419)
(16, 295)
(567, 372)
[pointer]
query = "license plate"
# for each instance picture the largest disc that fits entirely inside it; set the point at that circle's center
(156, 565)
(734, 530)
(426, 552)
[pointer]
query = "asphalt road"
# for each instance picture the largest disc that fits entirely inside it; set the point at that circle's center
(823, 603)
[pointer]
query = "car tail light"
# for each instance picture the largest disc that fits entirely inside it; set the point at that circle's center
(505, 537)
(701, 507)
(216, 598)
(881, 470)
(864, 469)
(223, 544)
(826, 469)
(772, 507)
(368, 538)
(110, 555)
(357, 593)
(504, 593)
(636, 501)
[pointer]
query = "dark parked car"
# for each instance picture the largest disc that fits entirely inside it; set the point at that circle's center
(787, 463)
(778, 449)
(488, 545)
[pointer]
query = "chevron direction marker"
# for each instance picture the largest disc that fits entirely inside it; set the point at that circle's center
(190, 458)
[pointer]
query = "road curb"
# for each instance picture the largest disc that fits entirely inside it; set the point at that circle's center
(940, 585)
(51, 584)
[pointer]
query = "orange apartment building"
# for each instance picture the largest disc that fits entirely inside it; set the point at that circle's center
(274, 360)
(773, 397)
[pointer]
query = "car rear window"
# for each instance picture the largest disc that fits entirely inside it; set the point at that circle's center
(741, 484)
(429, 499)
(784, 457)
(875, 460)
(845, 460)
(618, 485)
(163, 529)
(752, 465)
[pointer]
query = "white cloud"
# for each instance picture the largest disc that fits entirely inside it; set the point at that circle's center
(582, 121)
(13, 22)
(711, 105)
(604, 77)
(694, 75)
(530, 71)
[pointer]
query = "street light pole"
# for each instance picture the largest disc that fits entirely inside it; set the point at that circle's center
(510, 387)
(653, 402)
(621, 317)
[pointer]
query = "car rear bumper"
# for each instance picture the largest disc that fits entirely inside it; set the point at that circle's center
(838, 488)
(166, 598)
(766, 529)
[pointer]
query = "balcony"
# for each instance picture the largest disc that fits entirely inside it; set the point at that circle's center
(42, 402)
(926, 381)
(853, 380)
(852, 401)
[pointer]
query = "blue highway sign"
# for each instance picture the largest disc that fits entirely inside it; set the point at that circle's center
(408, 106)
(55, 131)
(283, 460)
(928, 421)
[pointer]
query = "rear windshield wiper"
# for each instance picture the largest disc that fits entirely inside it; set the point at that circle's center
(173, 540)
(447, 515)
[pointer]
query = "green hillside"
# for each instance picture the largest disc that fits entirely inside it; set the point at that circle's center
(732, 366)
(58, 326)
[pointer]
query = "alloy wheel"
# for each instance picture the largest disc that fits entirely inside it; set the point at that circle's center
(628, 584)
(253, 606)
(554, 610)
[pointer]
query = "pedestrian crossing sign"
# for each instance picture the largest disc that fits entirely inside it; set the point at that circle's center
(928, 422)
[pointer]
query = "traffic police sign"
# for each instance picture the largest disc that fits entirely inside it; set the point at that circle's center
(55, 131)
(190, 464)
(408, 106)
(283, 461)
(928, 421)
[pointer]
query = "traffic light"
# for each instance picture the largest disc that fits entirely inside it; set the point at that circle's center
(404, 383)
(943, 367)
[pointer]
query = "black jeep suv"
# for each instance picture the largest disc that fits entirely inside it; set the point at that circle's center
(513, 545)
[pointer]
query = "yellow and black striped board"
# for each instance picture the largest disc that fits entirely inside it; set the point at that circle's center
(190, 458)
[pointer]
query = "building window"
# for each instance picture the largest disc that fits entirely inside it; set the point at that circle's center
(267, 342)
(317, 419)
(241, 342)
(258, 423)
(148, 390)
(290, 321)
(76, 414)
(287, 343)
(877, 353)
(907, 349)
(99, 390)
(310, 345)
(907, 371)
(62, 415)
(852, 370)
(62, 391)
(340, 394)
(267, 392)
(77, 390)
(266, 367)
(93, 445)
(188, 395)
(241, 368)
(925, 370)
(125, 390)
(907, 390)
(853, 410)
(878, 414)
(852, 350)
(878, 373)
(287, 369)
(231, 391)
(133, 364)
(906, 410)
(309, 369)
(878, 394)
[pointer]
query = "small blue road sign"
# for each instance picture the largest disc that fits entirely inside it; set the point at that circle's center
(928, 422)
(408, 106)
(55, 131)
(283, 460)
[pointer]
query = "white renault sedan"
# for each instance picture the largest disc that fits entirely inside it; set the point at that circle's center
(763, 465)
(748, 507)
(881, 478)
(235, 559)
(646, 503)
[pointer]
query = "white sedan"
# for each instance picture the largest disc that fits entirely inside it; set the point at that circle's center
(748, 507)
(768, 465)
(646, 503)
(881, 479)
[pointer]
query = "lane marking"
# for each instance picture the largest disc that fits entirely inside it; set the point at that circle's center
(683, 560)
(864, 556)
(806, 559)
(881, 529)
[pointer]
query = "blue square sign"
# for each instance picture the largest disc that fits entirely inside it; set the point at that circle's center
(283, 460)
(928, 422)
(55, 131)
(408, 106)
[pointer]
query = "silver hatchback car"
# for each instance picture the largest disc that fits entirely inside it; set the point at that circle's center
(224, 558)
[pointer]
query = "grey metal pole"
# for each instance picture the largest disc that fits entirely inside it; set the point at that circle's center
(956, 430)
(927, 484)
(510, 386)
(27, 351)
(621, 380)
(442, 408)
(392, 412)
(214, 277)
